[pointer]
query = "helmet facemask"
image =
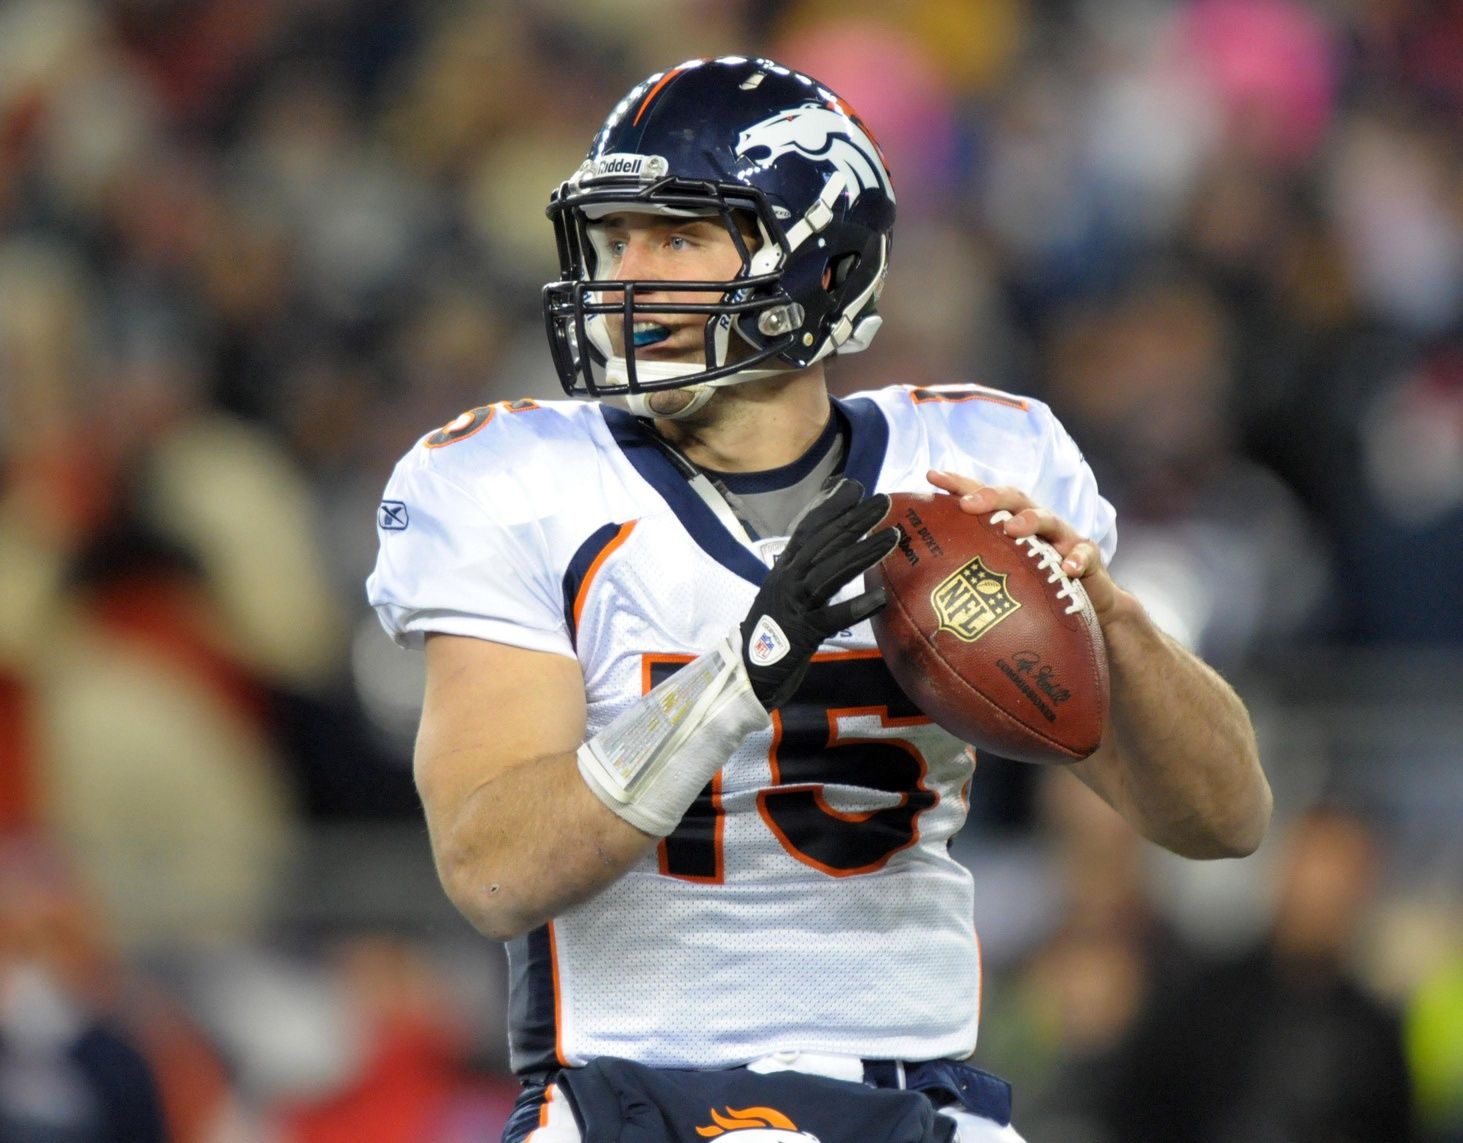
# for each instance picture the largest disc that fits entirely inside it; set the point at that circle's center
(580, 308)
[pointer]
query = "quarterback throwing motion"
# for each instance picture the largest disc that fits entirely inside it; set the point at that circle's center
(660, 755)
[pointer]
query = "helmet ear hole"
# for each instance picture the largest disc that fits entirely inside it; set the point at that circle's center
(838, 270)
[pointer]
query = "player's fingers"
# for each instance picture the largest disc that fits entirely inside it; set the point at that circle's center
(845, 613)
(994, 498)
(851, 523)
(824, 519)
(1041, 522)
(824, 579)
(812, 527)
(829, 574)
(1083, 559)
(867, 514)
(837, 499)
(953, 482)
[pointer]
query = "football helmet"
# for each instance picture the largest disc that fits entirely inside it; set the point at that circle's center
(769, 152)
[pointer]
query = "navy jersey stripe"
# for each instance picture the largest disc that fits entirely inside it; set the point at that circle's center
(868, 441)
(694, 513)
(533, 1024)
(579, 567)
(789, 474)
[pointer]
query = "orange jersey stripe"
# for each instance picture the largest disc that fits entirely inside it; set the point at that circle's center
(558, 1002)
(648, 662)
(620, 537)
(955, 396)
(543, 1111)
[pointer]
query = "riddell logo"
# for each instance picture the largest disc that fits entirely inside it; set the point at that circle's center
(754, 1125)
(619, 165)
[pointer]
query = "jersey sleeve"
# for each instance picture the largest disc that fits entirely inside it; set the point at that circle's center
(1000, 438)
(446, 564)
(1065, 484)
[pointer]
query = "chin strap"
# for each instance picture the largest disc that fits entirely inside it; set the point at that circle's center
(639, 403)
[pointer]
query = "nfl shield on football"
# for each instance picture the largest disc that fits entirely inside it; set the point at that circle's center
(988, 636)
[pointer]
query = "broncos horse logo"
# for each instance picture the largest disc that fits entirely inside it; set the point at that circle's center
(820, 134)
(755, 1125)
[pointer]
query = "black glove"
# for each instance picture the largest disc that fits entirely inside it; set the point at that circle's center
(791, 615)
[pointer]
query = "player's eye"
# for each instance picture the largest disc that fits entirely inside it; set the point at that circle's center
(679, 242)
(616, 247)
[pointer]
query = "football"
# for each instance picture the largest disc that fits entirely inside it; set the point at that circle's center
(987, 635)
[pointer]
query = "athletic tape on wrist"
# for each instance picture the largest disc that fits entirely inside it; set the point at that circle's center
(651, 762)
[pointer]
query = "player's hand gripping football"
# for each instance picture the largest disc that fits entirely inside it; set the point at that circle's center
(1081, 558)
(791, 615)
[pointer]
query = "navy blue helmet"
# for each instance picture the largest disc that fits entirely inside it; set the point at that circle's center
(773, 154)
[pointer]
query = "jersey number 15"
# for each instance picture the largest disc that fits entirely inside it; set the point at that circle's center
(815, 744)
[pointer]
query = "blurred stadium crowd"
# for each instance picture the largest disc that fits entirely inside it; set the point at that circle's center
(251, 249)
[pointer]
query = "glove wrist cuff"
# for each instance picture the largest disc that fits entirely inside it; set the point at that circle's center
(652, 761)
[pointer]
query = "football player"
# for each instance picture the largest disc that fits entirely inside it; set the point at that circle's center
(659, 754)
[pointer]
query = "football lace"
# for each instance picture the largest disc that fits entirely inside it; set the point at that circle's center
(1047, 558)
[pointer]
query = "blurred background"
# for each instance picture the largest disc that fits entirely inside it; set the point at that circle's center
(250, 250)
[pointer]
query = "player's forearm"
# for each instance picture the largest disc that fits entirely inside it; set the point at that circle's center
(529, 844)
(1183, 766)
(545, 833)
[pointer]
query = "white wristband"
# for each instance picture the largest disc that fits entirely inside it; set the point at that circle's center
(651, 762)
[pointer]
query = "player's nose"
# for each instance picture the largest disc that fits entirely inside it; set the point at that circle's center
(642, 259)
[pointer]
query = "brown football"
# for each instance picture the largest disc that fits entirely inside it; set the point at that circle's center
(988, 636)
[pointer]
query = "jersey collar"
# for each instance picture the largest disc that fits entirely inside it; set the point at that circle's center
(868, 441)
(786, 475)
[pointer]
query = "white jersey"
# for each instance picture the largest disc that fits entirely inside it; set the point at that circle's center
(808, 900)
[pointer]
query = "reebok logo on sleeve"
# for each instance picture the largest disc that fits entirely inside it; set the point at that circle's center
(392, 516)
